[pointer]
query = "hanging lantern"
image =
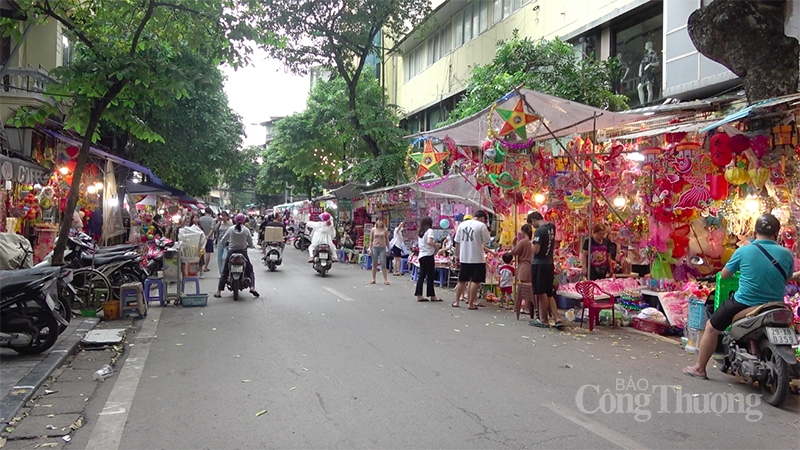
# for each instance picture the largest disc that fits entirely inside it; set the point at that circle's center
(719, 187)
(687, 150)
(737, 176)
(721, 154)
(759, 176)
(738, 143)
(650, 156)
(760, 145)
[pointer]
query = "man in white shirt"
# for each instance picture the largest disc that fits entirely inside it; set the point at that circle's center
(471, 237)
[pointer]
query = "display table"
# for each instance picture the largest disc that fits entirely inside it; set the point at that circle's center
(653, 298)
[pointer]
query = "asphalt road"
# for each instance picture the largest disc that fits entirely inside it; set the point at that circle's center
(338, 363)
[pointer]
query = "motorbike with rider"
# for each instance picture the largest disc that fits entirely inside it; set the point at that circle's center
(239, 240)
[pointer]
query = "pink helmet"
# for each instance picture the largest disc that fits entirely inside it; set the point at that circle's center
(239, 218)
(325, 217)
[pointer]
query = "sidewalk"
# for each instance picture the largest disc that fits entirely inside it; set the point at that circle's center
(24, 374)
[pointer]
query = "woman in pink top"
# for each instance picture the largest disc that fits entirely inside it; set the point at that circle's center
(524, 253)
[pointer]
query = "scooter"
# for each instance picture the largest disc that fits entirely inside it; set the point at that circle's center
(273, 256)
(237, 274)
(760, 347)
(29, 322)
(66, 293)
(155, 255)
(322, 259)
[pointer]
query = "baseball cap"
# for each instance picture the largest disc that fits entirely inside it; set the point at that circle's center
(468, 217)
(459, 217)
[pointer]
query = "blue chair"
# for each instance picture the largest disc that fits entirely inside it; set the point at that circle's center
(186, 280)
(159, 297)
(442, 277)
(404, 265)
(414, 272)
(365, 261)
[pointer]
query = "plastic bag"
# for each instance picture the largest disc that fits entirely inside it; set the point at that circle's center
(192, 241)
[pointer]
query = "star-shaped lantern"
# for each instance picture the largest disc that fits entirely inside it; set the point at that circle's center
(429, 160)
(515, 120)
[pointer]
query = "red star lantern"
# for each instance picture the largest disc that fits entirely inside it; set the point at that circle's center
(516, 120)
(429, 160)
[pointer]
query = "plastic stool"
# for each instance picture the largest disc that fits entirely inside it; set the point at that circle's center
(363, 261)
(414, 272)
(341, 255)
(159, 283)
(194, 280)
(404, 266)
(442, 277)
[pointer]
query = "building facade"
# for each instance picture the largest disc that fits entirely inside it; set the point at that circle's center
(25, 73)
(427, 76)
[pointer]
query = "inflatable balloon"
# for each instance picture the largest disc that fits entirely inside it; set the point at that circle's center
(760, 145)
(738, 143)
(444, 224)
(72, 151)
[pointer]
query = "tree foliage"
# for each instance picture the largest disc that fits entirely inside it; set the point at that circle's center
(320, 144)
(548, 66)
(201, 134)
(126, 54)
(341, 35)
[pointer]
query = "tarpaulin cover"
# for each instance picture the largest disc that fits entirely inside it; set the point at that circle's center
(10, 252)
(563, 117)
(457, 187)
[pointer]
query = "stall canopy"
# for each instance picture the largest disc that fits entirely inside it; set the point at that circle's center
(563, 117)
(145, 189)
(453, 187)
(754, 108)
(108, 156)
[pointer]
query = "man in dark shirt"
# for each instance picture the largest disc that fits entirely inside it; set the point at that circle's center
(597, 265)
(270, 221)
(543, 270)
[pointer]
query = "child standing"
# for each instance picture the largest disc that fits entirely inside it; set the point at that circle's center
(506, 273)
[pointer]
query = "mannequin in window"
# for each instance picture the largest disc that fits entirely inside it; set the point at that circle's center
(647, 73)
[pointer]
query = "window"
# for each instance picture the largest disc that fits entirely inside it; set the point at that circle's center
(637, 45)
(471, 21)
(439, 44)
(67, 54)
(414, 62)
(505, 8)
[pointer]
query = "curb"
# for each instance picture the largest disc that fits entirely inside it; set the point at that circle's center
(27, 386)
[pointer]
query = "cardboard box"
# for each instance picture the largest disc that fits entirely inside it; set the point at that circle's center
(273, 234)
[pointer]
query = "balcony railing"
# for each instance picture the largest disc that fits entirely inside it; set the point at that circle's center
(26, 82)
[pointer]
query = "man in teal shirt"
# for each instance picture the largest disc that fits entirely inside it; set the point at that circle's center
(762, 279)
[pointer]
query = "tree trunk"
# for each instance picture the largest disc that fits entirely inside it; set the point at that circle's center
(74, 190)
(748, 38)
(372, 145)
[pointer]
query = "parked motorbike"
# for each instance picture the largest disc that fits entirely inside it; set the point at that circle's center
(66, 293)
(155, 255)
(237, 274)
(273, 256)
(120, 267)
(322, 259)
(760, 347)
(29, 321)
(303, 239)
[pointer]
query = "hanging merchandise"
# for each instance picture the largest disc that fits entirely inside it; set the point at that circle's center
(504, 181)
(516, 120)
(429, 160)
(721, 154)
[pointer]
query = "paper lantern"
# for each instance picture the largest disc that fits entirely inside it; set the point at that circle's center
(718, 187)
(71, 165)
(72, 151)
(721, 154)
(444, 224)
(760, 145)
(759, 176)
(737, 176)
(738, 143)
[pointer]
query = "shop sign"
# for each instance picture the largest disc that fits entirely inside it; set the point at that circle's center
(21, 171)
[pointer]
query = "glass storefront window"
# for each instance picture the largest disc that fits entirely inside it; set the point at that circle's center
(638, 45)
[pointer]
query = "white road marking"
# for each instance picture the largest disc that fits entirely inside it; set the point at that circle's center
(107, 433)
(600, 430)
(339, 294)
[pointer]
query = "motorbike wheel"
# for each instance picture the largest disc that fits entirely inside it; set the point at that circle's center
(125, 275)
(776, 388)
(296, 244)
(48, 334)
(235, 288)
(272, 266)
(62, 307)
(86, 281)
(323, 273)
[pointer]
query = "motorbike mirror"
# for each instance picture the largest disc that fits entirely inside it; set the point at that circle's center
(697, 261)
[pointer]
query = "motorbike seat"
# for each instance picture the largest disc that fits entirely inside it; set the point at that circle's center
(117, 248)
(103, 259)
(755, 310)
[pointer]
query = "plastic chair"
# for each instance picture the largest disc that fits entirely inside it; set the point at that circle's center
(364, 261)
(588, 290)
(404, 265)
(442, 277)
(159, 283)
(186, 280)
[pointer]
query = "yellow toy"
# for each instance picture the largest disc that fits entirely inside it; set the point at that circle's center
(506, 233)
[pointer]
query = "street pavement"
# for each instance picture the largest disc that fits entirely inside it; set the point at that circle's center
(337, 363)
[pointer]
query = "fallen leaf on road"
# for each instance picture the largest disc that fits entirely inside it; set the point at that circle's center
(293, 388)
(633, 357)
(51, 415)
(525, 337)
(178, 344)
(154, 376)
(555, 345)
(183, 334)
(261, 413)
(66, 438)
(627, 349)
(48, 445)
(501, 324)
(246, 381)
(304, 368)
(457, 330)
(677, 388)
(380, 365)
(323, 314)
(237, 356)
(50, 427)
(213, 329)
(9, 429)
(568, 366)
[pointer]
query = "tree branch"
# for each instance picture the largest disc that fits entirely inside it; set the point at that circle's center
(147, 15)
(48, 10)
(178, 7)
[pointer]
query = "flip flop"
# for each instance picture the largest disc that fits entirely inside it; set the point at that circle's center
(372, 282)
(422, 299)
(473, 309)
(217, 296)
(386, 283)
(454, 305)
(686, 371)
(559, 325)
(436, 300)
(538, 324)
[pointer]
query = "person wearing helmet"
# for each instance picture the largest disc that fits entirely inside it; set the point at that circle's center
(323, 232)
(239, 239)
(764, 269)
